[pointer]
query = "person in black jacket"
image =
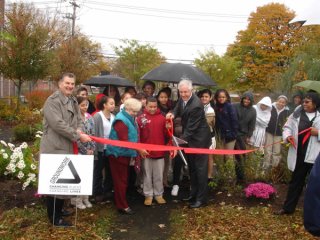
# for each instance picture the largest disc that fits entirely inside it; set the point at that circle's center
(247, 115)
(226, 121)
(196, 132)
(279, 116)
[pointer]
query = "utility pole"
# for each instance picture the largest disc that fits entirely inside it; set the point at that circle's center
(73, 16)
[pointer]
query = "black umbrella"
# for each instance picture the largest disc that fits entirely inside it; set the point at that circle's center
(174, 72)
(106, 80)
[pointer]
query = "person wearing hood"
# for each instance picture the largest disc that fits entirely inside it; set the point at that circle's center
(279, 115)
(246, 114)
(263, 109)
(152, 129)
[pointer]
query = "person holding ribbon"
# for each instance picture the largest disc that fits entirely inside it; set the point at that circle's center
(124, 128)
(196, 132)
(61, 131)
(302, 130)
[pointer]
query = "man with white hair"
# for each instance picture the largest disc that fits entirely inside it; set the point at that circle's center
(196, 132)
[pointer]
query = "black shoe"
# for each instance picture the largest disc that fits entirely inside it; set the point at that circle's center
(66, 213)
(61, 223)
(189, 199)
(282, 212)
(127, 211)
(101, 198)
(197, 204)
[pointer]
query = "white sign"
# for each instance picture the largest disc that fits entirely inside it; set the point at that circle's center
(65, 174)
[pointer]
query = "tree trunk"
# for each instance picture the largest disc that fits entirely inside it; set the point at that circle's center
(19, 93)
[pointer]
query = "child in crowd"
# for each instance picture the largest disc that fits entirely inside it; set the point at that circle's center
(142, 97)
(163, 105)
(102, 183)
(205, 96)
(163, 100)
(226, 120)
(88, 148)
(148, 88)
(131, 90)
(152, 128)
(124, 97)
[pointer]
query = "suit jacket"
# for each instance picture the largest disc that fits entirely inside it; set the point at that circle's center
(195, 129)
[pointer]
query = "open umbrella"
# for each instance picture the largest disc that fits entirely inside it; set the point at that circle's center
(174, 72)
(309, 85)
(106, 80)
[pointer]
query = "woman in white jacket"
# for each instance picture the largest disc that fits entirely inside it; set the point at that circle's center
(304, 147)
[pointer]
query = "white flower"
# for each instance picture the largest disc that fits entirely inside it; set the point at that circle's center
(38, 136)
(21, 164)
(5, 156)
(39, 132)
(24, 145)
(20, 175)
(2, 150)
(25, 184)
(33, 166)
(3, 143)
(31, 175)
(6, 173)
(11, 146)
(11, 168)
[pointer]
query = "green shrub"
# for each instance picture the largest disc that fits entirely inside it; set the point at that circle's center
(24, 132)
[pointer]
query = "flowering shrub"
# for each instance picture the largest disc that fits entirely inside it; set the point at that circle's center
(259, 190)
(18, 162)
(36, 98)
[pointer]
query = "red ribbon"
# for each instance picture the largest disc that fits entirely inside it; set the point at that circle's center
(75, 148)
(154, 147)
(170, 133)
(307, 136)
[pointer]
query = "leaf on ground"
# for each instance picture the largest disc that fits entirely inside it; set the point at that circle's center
(162, 226)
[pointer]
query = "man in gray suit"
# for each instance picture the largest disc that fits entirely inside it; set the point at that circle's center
(61, 130)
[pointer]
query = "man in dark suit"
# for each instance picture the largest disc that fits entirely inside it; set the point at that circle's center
(196, 132)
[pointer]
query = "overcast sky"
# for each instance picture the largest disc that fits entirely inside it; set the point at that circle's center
(179, 29)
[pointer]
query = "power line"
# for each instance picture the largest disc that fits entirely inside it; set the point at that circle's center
(161, 16)
(161, 42)
(171, 11)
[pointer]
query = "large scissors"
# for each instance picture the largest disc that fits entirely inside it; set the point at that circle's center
(176, 141)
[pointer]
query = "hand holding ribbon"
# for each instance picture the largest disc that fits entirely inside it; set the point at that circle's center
(290, 139)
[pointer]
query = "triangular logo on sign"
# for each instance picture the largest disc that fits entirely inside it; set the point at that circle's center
(76, 178)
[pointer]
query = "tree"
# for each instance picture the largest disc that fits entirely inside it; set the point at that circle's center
(223, 70)
(134, 59)
(266, 46)
(305, 64)
(26, 51)
(80, 56)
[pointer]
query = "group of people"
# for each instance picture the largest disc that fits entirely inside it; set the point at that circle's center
(201, 120)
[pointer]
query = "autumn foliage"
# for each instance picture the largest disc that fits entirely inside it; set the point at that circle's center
(266, 47)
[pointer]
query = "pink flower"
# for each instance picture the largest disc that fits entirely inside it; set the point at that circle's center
(259, 190)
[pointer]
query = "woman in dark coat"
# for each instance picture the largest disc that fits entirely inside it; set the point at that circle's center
(226, 120)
